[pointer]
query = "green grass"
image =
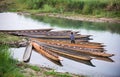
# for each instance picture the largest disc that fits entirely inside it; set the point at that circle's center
(35, 68)
(8, 66)
(56, 74)
(8, 38)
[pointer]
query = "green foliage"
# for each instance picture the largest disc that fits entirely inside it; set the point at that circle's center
(8, 64)
(56, 74)
(47, 8)
(8, 38)
(36, 68)
(87, 7)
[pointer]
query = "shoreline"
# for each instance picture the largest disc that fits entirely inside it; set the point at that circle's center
(82, 18)
(75, 17)
(29, 70)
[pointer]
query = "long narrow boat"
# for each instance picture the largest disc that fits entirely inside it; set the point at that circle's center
(77, 42)
(82, 37)
(101, 54)
(79, 58)
(61, 52)
(27, 30)
(74, 46)
(85, 58)
(45, 52)
(54, 33)
(27, 53)
(75, 58)
(69, 44)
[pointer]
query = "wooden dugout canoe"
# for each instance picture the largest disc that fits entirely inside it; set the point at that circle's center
(77, 42)
(92, 53)
(82, 37)
(28, 52)
(54, 33)
(82, 59)
(74, 46)
(44, 52)
(59, 51)
(27, 30)
(69, 44)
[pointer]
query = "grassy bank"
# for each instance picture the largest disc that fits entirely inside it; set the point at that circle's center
(6, 38)
(8, 66)
(98, 8)
(12, 41)
(35, 71)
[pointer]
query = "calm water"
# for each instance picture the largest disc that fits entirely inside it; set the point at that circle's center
(106, 33)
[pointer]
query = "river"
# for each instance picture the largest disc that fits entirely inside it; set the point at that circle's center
(106, 33)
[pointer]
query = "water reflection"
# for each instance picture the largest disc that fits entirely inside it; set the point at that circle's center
(13, 21)
(73, 24)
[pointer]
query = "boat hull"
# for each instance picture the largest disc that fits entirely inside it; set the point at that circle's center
(27, 53)
(43, 52)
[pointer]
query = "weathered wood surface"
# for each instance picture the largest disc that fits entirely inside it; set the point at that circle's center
(62, 52)
(45, 52)
(76, 56)
(74, 46)
(27, 53)
(27, 30)
(94, 51)
(47, 34)
(81, 37)
(77, 42)
(51, 35)
(104, 59)
(102, 54)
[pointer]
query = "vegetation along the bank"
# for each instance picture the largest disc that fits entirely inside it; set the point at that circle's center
(12, 41)
(8, 66)
(98, 8)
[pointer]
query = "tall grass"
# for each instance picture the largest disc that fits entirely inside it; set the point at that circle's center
(8, 66)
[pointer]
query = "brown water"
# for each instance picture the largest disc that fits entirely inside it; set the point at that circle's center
(106, 33)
